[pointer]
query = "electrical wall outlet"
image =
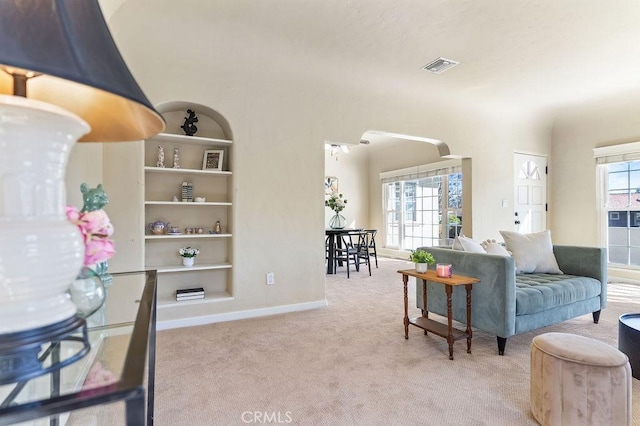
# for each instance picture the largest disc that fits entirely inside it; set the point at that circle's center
(271, 279)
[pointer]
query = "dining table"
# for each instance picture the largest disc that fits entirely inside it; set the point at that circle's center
(333, 240)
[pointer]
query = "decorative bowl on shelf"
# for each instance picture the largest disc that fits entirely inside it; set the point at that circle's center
(158, 228)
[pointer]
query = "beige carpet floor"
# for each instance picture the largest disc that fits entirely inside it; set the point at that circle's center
(349, 364)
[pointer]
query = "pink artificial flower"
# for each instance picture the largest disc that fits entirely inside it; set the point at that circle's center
(98, 250)
(96, 222)
(73, 214)
(99, 376)
(95, 228)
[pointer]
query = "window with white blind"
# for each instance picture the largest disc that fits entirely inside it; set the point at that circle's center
(422, 205)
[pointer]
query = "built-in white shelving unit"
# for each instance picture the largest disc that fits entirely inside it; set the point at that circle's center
(212, 268)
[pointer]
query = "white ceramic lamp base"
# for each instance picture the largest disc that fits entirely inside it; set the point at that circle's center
(41, 252)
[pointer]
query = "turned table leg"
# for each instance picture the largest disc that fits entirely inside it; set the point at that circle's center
(448, 290)
(469, 332)
(425, 308)
(405, 279)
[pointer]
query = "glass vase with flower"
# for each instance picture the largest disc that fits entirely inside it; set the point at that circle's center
(337, 203)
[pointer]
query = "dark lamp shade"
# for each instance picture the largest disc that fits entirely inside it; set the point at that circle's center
(69, 43)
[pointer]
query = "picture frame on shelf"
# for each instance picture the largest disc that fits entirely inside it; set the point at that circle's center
(213, 159)
(330, 185)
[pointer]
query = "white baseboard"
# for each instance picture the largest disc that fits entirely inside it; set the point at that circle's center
(232, 316)
(629, 275)
(393, 254)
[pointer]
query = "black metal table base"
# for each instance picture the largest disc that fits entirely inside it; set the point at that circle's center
(19, 352)
(129, 388)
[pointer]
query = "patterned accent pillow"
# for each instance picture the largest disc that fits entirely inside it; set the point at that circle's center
(492, 247)
(467, 244)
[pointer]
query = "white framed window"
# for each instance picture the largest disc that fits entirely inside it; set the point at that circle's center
(618, 173)
(422, 206)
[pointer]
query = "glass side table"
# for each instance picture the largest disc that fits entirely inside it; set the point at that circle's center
(119, 368)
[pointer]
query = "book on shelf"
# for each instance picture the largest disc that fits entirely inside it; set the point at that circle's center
(191, 297)
(189, 291)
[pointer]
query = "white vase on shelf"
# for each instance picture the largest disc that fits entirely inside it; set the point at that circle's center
(188, 261)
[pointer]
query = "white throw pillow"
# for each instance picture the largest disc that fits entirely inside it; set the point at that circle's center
(456, 244)
(492, 247)
(467, 244)
(532, 252)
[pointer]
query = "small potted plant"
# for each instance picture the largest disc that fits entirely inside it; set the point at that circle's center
(188, 255)
(422, 259)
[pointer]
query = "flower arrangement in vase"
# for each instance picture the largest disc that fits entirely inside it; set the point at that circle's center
(188, 255)
(336, 203)
(422, 259)
(87, 291)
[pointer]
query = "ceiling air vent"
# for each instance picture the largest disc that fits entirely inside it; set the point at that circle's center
(440, 65)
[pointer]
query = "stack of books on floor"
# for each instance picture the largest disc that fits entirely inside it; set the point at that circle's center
(190, 294)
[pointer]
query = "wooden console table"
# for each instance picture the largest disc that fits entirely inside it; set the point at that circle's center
(447, 331)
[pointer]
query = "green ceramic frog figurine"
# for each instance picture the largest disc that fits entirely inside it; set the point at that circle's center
(94, 198)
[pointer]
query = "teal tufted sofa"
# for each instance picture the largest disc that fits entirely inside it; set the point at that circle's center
(506, 304)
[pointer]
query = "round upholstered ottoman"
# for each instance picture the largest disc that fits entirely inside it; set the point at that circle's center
(576, 380)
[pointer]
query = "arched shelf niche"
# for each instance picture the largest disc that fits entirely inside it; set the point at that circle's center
(211, 124)
(171, 196)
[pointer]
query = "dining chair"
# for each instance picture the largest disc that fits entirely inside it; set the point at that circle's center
(361, 249)
(327, 241)
(345, 253)
(371, 243)
(354, 250)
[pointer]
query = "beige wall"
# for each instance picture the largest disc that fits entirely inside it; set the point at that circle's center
(118, 167)
(490, 143)
(281, 111)
(124, 184)
(85, 166)
(577, 131)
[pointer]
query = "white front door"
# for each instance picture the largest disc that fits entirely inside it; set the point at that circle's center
(530, 201)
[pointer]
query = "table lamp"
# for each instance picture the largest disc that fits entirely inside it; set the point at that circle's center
(62, 79)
